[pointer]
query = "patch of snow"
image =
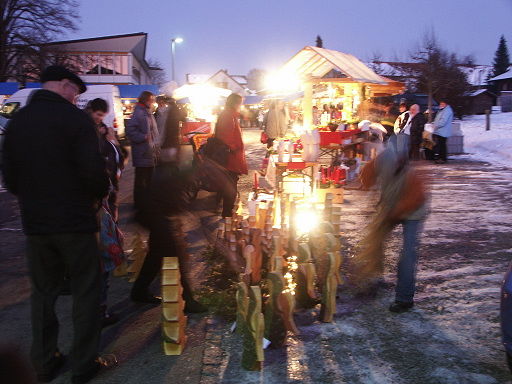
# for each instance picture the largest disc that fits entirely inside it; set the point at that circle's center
(492, 146)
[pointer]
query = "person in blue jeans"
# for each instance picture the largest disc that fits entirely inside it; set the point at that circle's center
(403, 201)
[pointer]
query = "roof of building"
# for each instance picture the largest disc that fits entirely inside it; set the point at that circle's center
(133, 42)
(236, 78)
(318, 62)
(476, 74)
(503, 76)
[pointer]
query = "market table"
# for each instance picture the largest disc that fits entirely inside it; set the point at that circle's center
(332, 143)
(277, 171)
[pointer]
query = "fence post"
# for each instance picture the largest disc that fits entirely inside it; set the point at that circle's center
(487, 120)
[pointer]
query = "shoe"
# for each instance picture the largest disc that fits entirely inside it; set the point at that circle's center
(146, 298)
(109, 319)
(440, 161)
(103, 362)
(193, 306)
(401, 306)
(56, 364)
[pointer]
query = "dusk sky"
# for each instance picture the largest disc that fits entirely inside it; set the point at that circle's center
(240, 35)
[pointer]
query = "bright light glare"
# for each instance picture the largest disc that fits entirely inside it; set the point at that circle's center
(178, 40)
(298, 129)
(306, 221)
(282, 82)
(203, 98)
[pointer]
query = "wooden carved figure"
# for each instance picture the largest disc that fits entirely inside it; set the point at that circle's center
(255, 241)
(242, 307)
(305, 293)
(252, 355)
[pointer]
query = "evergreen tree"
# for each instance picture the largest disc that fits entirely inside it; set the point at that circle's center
(319, 42)
(501, 58)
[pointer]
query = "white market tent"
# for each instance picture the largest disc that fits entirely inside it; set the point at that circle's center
(318, 62)
(315, 66)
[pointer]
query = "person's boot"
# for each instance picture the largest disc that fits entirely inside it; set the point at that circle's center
(56, 363)
(401, 306)
(101, 363)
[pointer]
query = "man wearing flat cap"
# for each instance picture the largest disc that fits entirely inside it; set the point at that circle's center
(52, 163)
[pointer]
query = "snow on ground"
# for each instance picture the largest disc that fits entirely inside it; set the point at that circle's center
(493, 146)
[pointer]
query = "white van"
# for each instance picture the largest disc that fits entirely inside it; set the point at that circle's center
(108, 92)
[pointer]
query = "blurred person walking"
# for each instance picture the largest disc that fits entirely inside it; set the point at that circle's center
(142, 132)
(276, 122)
(161, 113)
(402, 201)
(170, 134)
(169, 196)
(228, 131)
(52, 163)
(442, 131)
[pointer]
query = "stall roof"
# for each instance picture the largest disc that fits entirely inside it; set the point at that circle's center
(134, 91)
(318, 62)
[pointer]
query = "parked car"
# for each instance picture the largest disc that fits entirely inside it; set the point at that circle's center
(506, 314)
(108, 92)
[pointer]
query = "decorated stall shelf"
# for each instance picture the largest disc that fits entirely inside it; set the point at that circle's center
(174, 322)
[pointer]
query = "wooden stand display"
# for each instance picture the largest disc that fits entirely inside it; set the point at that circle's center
(174, 322)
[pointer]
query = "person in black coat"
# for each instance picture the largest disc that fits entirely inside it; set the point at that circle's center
(417, 125)
(168, 198)
(110, 150)
(52, 163)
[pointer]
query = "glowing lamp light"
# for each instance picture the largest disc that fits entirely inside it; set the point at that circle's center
(178, 40)
(306, 220)
(282, 82)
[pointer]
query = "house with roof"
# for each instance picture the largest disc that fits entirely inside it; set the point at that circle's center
(119, 59)
(476, 75)
(235, 83)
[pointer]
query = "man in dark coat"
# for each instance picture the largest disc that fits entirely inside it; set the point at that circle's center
(416, 127)
(143, 134)
(53, 165)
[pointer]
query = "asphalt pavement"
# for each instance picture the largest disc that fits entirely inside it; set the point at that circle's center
(452, 335)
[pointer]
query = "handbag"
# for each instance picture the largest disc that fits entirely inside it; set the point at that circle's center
(216, 150)
(264, 138)
(111, 242)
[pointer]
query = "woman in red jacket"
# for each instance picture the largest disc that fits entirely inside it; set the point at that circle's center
(229, 132)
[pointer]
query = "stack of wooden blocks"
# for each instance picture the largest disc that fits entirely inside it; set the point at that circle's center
(174, 322)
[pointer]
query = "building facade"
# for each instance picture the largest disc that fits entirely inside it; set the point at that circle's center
(116, 59)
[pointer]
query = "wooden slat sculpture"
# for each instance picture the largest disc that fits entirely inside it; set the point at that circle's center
(174, 322)
(252, 355)
(305, 275)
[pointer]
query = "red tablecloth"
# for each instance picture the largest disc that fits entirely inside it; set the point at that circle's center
(328, 138)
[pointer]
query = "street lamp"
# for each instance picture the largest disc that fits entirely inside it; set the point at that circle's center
(176, 40)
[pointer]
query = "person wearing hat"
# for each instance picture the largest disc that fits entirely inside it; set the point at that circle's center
(52, 163)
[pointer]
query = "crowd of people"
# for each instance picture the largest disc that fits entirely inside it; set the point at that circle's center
(69, 206)
(70, 195)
